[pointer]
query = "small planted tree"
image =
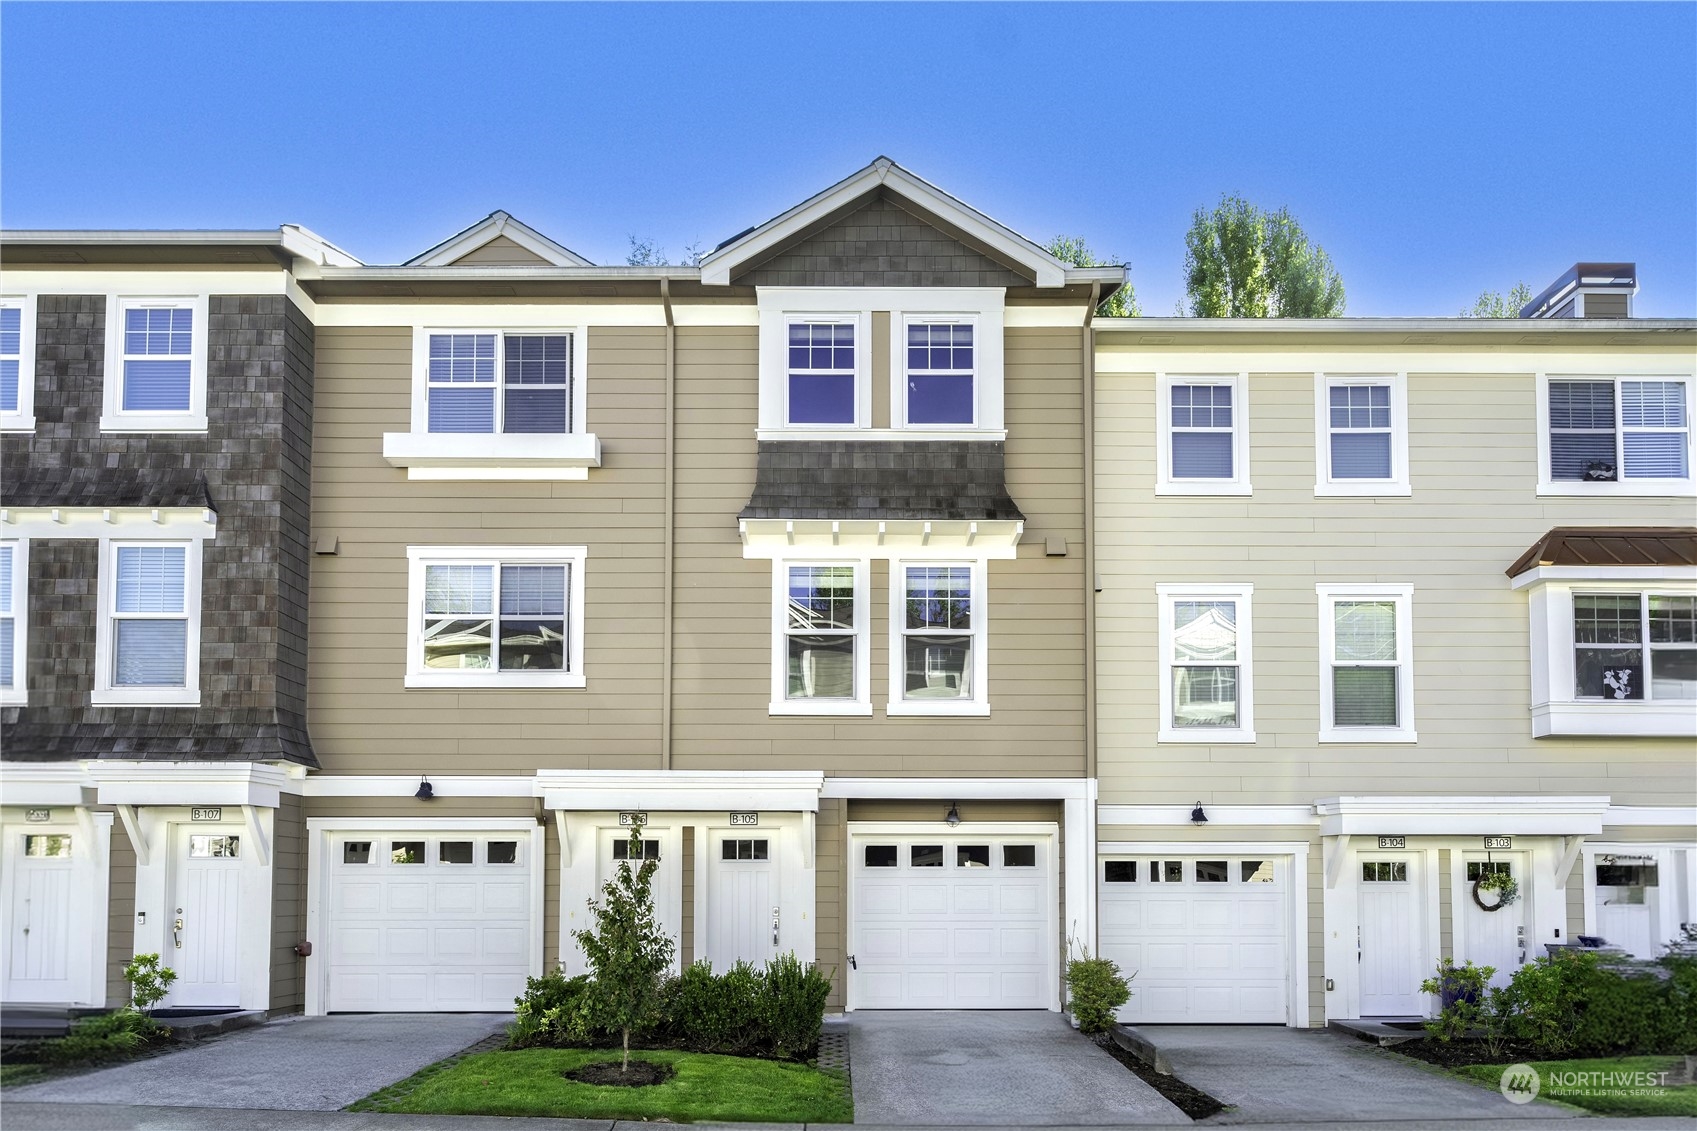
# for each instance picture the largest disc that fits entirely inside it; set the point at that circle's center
(628, 953)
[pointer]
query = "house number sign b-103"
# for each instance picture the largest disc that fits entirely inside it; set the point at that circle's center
(1393, 842)
(745, 818)
(1499, 842)
(216, 814)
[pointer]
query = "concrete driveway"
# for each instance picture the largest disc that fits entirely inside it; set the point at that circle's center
(986, 1069)
(294, 1064)
(1270, 1074)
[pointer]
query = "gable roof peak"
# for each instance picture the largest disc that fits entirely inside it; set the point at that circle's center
(499, 224)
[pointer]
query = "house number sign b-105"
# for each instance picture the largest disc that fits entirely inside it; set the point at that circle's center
(745, 818)
(1499, 842)
(215, 814)
(1393, 842)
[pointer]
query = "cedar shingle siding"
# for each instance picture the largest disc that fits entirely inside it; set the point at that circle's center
(252, 466)
(887, 479)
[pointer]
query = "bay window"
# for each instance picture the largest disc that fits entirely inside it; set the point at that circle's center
(1366, 667)
(1635, 646)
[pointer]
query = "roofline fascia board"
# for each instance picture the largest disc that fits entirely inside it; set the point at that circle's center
(291, 238)
(506, 273)
(493, 226)
(717, 265)
(1388, 325)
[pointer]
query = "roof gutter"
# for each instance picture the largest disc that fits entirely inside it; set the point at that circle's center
(1387, 325)
(502, 273)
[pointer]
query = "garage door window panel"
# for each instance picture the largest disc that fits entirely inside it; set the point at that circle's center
(356, 852)
(1019, 856)
(406, 852)
(453, 852)
(503, 852)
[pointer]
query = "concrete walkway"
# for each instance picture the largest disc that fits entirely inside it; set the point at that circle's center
(991, 1069)
(294, 1064)
(1271, 1074)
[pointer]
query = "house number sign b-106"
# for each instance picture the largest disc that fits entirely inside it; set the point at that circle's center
(745, 818)
(1499, 842)
(1393, 842)
(214, 814)
(628, 818)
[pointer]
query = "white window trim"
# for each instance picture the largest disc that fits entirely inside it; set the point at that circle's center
(979, 704)
(780, 305)
(1398, 483)
(1403, 596)
(113, 416)
(17, 695)
(1661, 488)
(1167, 596)
(1556, 710)
(986, 358)
(418, 676)
(106, 693)
(1165, 483)
(23, 420)
(861, 704)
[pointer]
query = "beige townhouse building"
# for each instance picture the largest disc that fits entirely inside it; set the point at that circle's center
(355, 613)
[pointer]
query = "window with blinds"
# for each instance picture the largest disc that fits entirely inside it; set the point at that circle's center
(1608, 430)
(1360, 431)
(150, 617)
(157, 359)
(1366, 677)
(1202, 418)
(10, 607)
(499, 382)
(11, 355)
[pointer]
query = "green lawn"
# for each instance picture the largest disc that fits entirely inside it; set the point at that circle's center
(11, 1074)
(706, 1088)
(1605, 1100)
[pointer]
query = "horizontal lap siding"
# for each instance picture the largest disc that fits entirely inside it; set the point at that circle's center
(363, 720)
(1473, 461)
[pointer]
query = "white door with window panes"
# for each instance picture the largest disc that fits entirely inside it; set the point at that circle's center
(1628, 899)
(658, 844)
(744, 923)
(205, 915)
(1494, 938)
(40, 931)
(1388, 899)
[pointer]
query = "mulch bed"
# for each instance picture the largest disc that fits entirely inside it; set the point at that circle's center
(1459, 1053)
(1194, 1103)
(641, 1074)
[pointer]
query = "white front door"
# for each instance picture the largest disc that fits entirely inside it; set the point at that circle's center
(1494, 938)
(665, 887)
(1388, 902)
(1628, 895)
(205, 913)
(743, 922)
(39, 942)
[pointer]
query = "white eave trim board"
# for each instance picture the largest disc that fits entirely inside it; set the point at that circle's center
(602, 790)
(962, 789)
(1629, 816)
(996, 539)
(1462, 816)
(1220, 815)
(405, 785)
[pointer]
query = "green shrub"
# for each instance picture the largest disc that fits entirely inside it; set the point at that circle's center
(708, 1012)
(540, 1009)
(1095, 990)
(94, 1039)
(1626, 1014)
(149, 981)
(1543, 1001)
(1471, 1007)
(793, 1007)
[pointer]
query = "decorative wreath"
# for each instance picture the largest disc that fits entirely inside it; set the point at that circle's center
(1505, 885)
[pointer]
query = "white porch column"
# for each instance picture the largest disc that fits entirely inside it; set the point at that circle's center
(1080, 833)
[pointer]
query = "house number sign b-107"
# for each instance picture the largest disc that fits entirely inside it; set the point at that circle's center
(214, 814)
(1499, 842)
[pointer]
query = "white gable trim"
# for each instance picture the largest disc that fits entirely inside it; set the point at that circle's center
(718, 265)
(488, 229)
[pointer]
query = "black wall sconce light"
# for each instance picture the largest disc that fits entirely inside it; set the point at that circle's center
(426, 792)
(953, 818)
(1197, 816)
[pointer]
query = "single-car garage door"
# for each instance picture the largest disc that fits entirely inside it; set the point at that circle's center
(1207, 937)
(952, 922)
(428, 921)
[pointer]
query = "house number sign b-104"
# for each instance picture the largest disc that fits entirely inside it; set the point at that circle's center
(215, 814)
(1393, 842)
(745, 818)
(1499, 842)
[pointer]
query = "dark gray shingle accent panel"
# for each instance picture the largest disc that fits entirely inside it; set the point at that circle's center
(881, 479)
(253, 466)
(880, 245)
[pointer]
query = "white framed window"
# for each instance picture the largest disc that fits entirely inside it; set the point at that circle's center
(1207, 642)
(1635, 646)
(147, 644)
(1361, 434)
(821, 383)
(495, 616)
(1366, 663)
(155, 364)
(1621, 435)
(938, 627)
(499, 382)
(14, 623)
(821, 664)
(939, 361)
(17, 363)
(1202, 436)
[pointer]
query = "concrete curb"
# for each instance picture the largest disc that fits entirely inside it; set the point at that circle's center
(1140, 1046)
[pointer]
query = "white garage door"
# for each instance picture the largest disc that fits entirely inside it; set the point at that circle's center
(1208, 937)
(428, 921)
(952, 922)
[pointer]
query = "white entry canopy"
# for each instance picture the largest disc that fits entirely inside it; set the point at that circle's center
(1461, 816)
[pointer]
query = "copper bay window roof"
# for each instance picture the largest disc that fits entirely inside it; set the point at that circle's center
(1611, 546)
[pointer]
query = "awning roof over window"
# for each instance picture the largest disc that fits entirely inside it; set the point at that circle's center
(1605, 546)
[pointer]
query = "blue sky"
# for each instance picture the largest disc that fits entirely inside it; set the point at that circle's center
(1434, 150)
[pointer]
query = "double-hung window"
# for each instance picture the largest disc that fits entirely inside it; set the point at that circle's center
(1202, 437)
(821, 385)
(937, 656)
(14, 622)
(495, 616)
(155, 365)
(1622, 435)
(1366, 663)
(1206, 641)
(1635, 646)
(820, 663)
(1361, 435)
(147, 649)
(17, 364)
(941, 365)
(505, 383)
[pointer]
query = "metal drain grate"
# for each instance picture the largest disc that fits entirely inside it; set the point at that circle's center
(834, 1048)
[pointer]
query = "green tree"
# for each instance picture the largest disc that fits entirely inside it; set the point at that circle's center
(1243, 262)
(1490, 304)
(645, 253)
(1072, 249)
(628, 953)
